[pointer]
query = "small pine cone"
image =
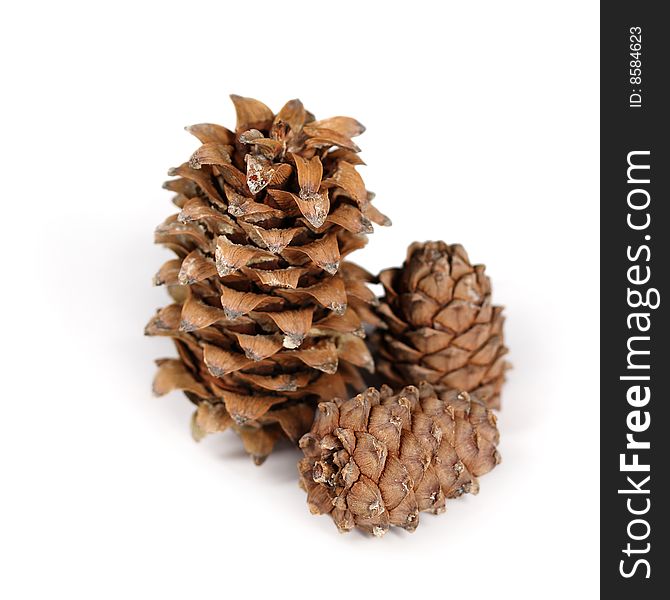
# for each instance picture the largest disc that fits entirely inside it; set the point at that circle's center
(440, 324)
(380, 458)
(267, 316)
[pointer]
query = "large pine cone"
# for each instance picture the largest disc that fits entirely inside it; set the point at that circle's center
(379, 459)
(440, 324)
(266, 317)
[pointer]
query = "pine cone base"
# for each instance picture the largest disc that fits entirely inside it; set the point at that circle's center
(379, 459)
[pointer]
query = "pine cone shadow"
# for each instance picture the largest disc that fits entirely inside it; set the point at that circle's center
(278, 469)
(133, 353)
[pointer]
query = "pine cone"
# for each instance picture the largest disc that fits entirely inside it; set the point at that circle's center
(266, 317)
(440, 324)
(379, 459)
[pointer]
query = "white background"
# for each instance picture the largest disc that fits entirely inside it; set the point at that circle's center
(482, 128)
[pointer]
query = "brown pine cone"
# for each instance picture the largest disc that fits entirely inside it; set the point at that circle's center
(267, 318)
(380, 458)
(440, 325)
